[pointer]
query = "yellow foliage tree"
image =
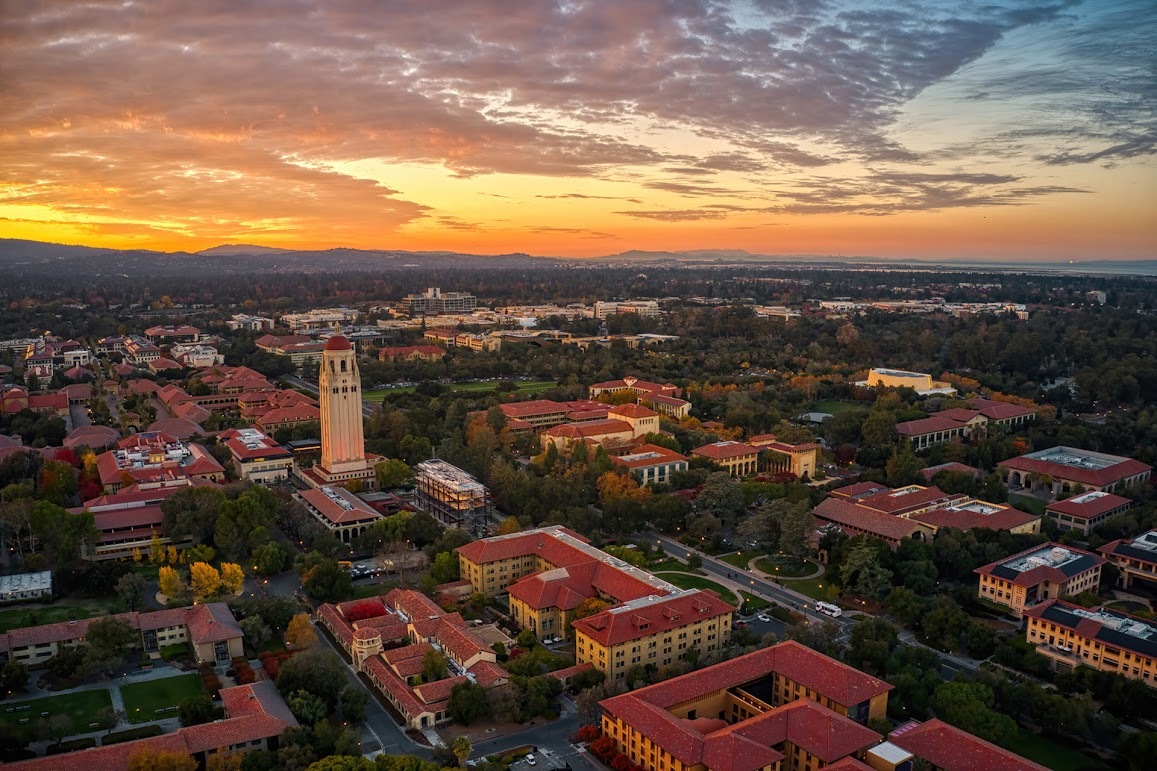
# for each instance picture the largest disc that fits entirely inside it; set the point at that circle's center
(137, 556)
(204, 579)
(156, 550)
(300, 633)
(171, 584)
(613, 486)
(509, 525)
(225, 761)
(159, 760)
(232, 577)
(171, 555)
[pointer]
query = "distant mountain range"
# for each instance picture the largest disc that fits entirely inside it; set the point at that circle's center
(20, 257)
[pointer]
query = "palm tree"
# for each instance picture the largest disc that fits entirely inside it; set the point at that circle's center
(461, 748)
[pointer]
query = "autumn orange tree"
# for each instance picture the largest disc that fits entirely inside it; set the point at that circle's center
(232, 577)
(204, 579)
(170, 581)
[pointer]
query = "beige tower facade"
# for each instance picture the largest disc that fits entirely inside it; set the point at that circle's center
(343, 444)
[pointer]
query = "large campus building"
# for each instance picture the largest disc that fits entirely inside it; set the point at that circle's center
(210, 628)
(1044, 572)
(1102, 638)
(1135, 558)
(154, 456)
(784, 708)
(920, 382)
(548, 573)
(1085, 511)
(1062, 470)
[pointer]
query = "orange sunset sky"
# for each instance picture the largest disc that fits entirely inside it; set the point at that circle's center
(994, 131)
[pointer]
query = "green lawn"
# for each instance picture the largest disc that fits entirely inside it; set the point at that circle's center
(1034, 506)
(1053, 755)
(788, 567)
(753, 604)
(142, 700)
(81, 709)
(485, 386)
(817, 588)
(835, 408)
(739, 559)
(15, 618)
(362, 591)
(692, 581)
(670, 564)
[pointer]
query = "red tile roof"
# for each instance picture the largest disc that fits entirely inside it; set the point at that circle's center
(636, 620)
(590, 428)
(659, 456)
(1089, 505)
(859, 490)
(633, 411)
(1042, 572)
(725, 450)
(929, 425)
(1091, 477)
(949, 748)
(541, 542)
(353, 509)
(1006, 518)
(533, 408)
(906, 499)
(844, 512)
(1000, 410)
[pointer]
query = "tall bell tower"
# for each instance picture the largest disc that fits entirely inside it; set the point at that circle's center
(343, 445)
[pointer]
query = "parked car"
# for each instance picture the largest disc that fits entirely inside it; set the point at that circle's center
(764, 618)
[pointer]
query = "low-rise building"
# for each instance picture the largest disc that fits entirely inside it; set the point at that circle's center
(453, 496)
(412, 353)
(127, 521)
(255, 716)
(190, 355)
(153, 456)
(944, 747)
(670, 406)
(644, 308)
(44, 357)
(1135, 558)
(1044, 572)
(1085, 511)
(920, 382)
(1108, 640)
(25, 586)
(251, 323)
(15, 399)
(651, 631)
(256, 457)
(435, 301)
(973, 513)
(737, 458)
(784, 457)
(632, 385)
(785, 707)
(320, 318)
(386, 638)
(209, 627)
(339, 511)
(623, 425)
(651, 464)
(182, 333)
(1064, 470)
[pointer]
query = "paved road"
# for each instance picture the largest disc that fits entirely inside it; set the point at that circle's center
(551, 740)
(719, 570)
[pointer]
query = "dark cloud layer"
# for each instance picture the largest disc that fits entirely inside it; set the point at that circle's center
(150, 111)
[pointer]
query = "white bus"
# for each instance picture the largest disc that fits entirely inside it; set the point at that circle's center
(829, 609)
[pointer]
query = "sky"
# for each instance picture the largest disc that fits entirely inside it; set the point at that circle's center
(996, 130)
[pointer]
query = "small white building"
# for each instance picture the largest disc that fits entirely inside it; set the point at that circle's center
(25, 586)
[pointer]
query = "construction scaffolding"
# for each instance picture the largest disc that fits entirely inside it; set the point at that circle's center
(452, 496)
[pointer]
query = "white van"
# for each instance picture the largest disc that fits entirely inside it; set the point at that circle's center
(829, 609)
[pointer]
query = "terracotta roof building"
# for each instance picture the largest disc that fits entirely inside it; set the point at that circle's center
(1102, 638)
(947, 747)
(339, 510)
(651, 464)
(737, 458)
(1085, 511)
(1062, 469)
(256, 457)
(1041, 573)
(633, 385)
(1135, 558)
(255, 716)
(155, 456)
(781, 707)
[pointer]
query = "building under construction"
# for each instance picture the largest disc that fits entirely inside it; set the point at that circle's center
(452, 496)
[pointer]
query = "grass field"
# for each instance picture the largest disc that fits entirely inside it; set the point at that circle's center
(50, 614)
(1034, 506)
(486, 386)
(788, 567)
(692, 581)
(1055, 756)
(142, 700)
(670, 564)
(753, 604)
(835, 408)
(817, 588)
(739, 559)
(80, 708)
